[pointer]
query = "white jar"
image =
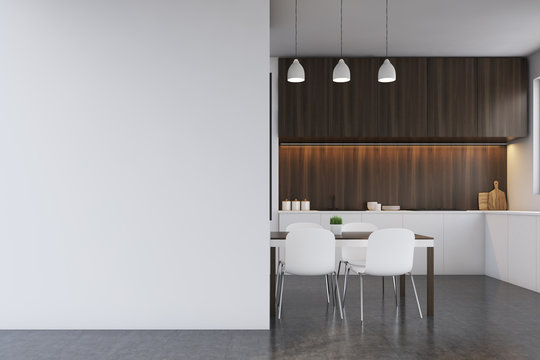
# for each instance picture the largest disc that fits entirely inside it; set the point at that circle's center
(286, 205)
(295, 205)
(305, 205)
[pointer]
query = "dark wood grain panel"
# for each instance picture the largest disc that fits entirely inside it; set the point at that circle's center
(355, 112)
(403, 104)
(452, 97)
(415, 177)
(306, 109)
(502, 97)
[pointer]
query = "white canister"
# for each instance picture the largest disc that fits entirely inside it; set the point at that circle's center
(305, 205)
(295, 205)
(286, 205)
(379, 207)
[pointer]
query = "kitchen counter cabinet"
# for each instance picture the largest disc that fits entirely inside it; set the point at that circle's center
(496, 228)
(522, 251)
(501, 244)
(464, 251)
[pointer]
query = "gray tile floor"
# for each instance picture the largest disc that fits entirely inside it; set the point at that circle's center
(476, 318)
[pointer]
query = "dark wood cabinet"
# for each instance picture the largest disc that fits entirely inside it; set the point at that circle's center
(305, 109)
(403, 104)
(502, 97)
(432, 100)
(452, 97)
(354, 112)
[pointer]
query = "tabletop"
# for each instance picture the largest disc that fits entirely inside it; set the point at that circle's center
(282, 235)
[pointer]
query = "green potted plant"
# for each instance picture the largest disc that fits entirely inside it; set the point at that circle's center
(335, 224)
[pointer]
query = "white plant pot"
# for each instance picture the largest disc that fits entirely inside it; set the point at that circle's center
(336, 229)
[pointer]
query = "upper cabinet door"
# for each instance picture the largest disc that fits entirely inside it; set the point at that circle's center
(305, 109)
(354, 103)
(452, 97)
(403, 103)
(502, 97)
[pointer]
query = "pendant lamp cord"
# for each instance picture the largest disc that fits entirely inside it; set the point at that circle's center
(386, 28)
(296, 28)
(342, 28)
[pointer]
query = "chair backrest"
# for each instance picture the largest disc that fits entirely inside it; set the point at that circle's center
(355, 254)
(390, 252)
(310, 252)
(303, 225)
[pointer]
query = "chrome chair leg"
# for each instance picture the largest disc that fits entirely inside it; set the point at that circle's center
(280, 283)
(332, 290)
(338, 298)
(347, 271)
(280, 304)
(361, 298)
(416, 295)
(395, 291)
(277, 276)
(327, 292)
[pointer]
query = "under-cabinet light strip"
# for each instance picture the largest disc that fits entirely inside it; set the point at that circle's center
(393, 144)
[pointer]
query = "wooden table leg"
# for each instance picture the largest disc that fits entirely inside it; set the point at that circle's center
(402, 286)
(272, 282)
(430, 289)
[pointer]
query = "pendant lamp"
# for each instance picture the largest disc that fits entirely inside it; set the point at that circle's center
(387, 73)
(341, 70)
(296, 73)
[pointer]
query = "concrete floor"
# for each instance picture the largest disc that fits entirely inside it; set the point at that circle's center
(476, 318)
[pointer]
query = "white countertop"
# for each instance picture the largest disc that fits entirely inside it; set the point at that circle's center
(495, 212)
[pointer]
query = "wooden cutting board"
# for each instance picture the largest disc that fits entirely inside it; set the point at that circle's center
(483, 201)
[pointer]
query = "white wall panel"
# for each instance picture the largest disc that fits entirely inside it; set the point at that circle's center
(134, 136)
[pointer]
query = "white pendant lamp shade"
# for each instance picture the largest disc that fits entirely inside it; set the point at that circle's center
(387, 73)
(341, 72)
(296, 73)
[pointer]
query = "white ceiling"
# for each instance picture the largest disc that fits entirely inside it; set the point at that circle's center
(416, 27)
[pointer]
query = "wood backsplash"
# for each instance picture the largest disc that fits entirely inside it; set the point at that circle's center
(413, 176)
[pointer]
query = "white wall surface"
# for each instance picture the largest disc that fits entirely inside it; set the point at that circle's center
(522, 161)
(126, 128)
(276, 201)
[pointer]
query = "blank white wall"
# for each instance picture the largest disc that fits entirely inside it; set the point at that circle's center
(132, 135)
(521, 158)
(276, 202)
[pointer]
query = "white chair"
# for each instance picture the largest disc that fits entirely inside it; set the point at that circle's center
(355, 255)
(390, 252)
(309, 252)
(296, 226)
